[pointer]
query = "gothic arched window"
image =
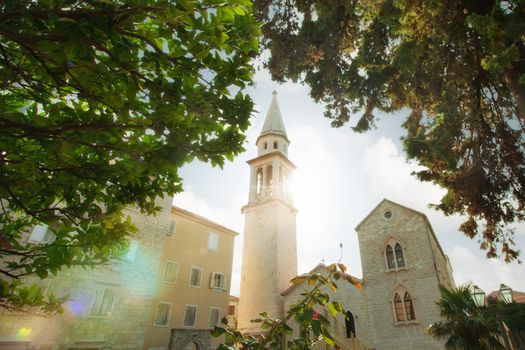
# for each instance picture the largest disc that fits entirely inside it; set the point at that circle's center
(394, 251)
(409, 307)
(400, 259)
(398, 306)
(403, 304)
(390, 257)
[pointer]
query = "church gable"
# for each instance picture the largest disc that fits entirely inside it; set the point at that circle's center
(386, 210)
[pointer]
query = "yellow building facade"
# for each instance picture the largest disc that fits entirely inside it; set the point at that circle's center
(176, 276)
(193, 284)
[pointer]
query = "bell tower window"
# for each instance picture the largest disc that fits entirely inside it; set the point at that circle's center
(259, 182)
(275, 145)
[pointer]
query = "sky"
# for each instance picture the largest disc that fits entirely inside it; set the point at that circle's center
(341, 177)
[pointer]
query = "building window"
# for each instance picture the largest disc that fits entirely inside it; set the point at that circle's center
(171, 272)
(190, 315)
(350, 325)
(398, 305)
(214, 317)
(231, 310)
(394, 254)
(173, 227)
(403, 306)
(275, 145)
(103, 300)
(400, 259)
(390, 257)
(213, 241)
(162, 316)
(195, 276)
(217, 281)
(409, 307)
(41, 234)
(132, 250)
(266, 145)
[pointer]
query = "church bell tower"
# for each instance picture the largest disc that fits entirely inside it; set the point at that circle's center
(269, 258)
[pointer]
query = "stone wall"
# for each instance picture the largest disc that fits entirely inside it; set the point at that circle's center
(419, 277)
(132, 283)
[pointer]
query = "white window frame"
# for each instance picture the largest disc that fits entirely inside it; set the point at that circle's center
(172, 229)
(170, 306)
(200, 279)
(166, 269)
(212, 281)
(213, 241)
(218, 309)
(132, 250)
(184, 316)
(102, 287)
(41, 234)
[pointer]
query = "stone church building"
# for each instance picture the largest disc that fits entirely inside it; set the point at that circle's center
(402, 260)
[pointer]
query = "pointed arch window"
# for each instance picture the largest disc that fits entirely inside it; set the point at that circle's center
(390, 257)
(403, 306)
(398, 306)
(409, 307)
(394, 251)
(400, 259)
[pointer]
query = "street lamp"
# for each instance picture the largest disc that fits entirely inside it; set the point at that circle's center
(478, 295)
(505, 293)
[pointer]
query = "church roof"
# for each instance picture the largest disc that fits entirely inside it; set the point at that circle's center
(273, 124)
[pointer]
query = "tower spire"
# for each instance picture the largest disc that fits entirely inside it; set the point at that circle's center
(273, 124)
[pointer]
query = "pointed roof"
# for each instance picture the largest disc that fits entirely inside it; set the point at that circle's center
(273, 124)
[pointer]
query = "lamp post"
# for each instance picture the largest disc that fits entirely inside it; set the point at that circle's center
(478, 296)
(505, 294)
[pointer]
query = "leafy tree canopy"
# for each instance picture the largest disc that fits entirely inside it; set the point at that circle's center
(458, 66)
(101, 102)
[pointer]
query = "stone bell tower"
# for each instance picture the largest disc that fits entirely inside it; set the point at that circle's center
(269, 258)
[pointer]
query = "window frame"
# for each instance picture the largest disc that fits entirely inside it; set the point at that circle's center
(392, 242)
(401, 291)
(133, 249)
(102, 287)
(165, 270)
(184, 316)
(213, 247)
(218, 309)
(200, 279)
(212, 281)
(48, 233)
(170, 307)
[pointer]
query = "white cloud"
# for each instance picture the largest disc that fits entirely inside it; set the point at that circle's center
(390, 175)
(487, 274)
(190, 201)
